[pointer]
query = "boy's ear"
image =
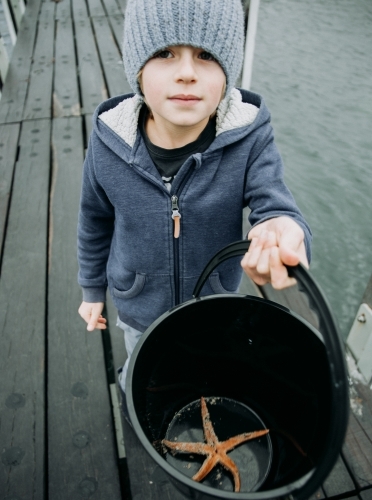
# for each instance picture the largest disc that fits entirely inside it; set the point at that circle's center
(223, 90)
(139, 79)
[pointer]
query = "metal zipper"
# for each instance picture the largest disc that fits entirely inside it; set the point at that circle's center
(176, 216)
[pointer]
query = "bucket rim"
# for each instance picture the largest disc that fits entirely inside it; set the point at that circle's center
(302, 487)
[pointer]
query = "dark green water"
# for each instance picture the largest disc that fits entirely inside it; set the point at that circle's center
(313, 66)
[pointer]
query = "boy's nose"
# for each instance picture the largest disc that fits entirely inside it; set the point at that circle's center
(186, 71)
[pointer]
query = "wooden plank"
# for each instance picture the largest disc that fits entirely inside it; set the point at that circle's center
(119, 353)
(38, 102)
(22, 320)
(112, 8)
(364, 394)
(63, 9)
(117, 26)
(95, 8)
(338, 481)
(79, 9)
(318, 495)
(147, 480)
(357, 451)
(123, 4)
(66, 100)
(81, 441)
(110, 57)
(8, 154)
(92, 86)
(366, 494)
(117, 357)
(88, 128)
(15, 88)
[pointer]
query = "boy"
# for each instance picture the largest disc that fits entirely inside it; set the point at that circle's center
(169, 169)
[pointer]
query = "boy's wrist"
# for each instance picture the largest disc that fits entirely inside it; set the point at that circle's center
(94, 294)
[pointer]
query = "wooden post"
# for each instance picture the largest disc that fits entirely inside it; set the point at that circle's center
(367, 297)
(359, 340)
(249, 43)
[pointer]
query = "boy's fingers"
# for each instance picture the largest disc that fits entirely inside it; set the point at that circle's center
(263, 264)
(278, 271)
(253, 255)
(100, 326)
(85, 315)
(94, 321)
(250, 259)
(256, 261)
(292, 247)
(275, 244)
(293, 257)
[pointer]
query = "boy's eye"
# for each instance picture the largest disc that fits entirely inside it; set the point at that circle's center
(206, 56)
(163, 54)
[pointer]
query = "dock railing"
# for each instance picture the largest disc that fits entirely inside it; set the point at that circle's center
(11, 13)
(359, 340)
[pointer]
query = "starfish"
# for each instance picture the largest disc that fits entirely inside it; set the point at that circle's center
(215, 450)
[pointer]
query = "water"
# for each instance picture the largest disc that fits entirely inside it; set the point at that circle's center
(313, 66)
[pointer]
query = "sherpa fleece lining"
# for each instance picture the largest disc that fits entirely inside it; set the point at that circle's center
(232, 113)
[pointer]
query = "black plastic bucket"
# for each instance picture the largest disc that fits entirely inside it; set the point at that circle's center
(265, 359)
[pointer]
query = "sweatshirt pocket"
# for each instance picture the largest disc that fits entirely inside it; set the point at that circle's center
(134, 290)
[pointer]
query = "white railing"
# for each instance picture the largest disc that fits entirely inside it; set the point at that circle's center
(359, 340)
(250, 43)
(11, 14)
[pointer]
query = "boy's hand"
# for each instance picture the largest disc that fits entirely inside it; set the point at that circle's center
(275, 243)
(91, 313)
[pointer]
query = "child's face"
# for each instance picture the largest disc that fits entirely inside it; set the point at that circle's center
(183, 85)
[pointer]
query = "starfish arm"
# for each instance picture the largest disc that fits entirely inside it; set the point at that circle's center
(209, 433)
(215, 450)
(209, 463)
(199, 448)
(230, 465)
(234, 441)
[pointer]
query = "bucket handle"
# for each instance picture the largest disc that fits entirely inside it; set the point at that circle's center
(306, 284)
(335, 355)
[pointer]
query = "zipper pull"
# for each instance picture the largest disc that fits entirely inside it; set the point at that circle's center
(176, 216)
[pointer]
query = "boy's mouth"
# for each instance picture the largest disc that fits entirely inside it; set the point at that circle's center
(185, 98)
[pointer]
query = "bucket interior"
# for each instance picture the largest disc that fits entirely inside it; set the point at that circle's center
(248, 350)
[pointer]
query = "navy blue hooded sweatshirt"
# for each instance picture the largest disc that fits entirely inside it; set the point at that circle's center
(126, 231)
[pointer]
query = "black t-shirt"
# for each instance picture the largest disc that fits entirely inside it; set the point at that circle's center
(169, 161)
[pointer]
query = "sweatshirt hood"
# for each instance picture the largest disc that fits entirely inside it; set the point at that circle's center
(116, 120)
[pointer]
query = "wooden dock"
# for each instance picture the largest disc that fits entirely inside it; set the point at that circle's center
(59, 436)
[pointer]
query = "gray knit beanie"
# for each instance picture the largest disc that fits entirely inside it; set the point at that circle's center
(217, 26)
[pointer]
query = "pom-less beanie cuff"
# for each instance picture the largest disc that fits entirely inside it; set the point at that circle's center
(216, 26)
